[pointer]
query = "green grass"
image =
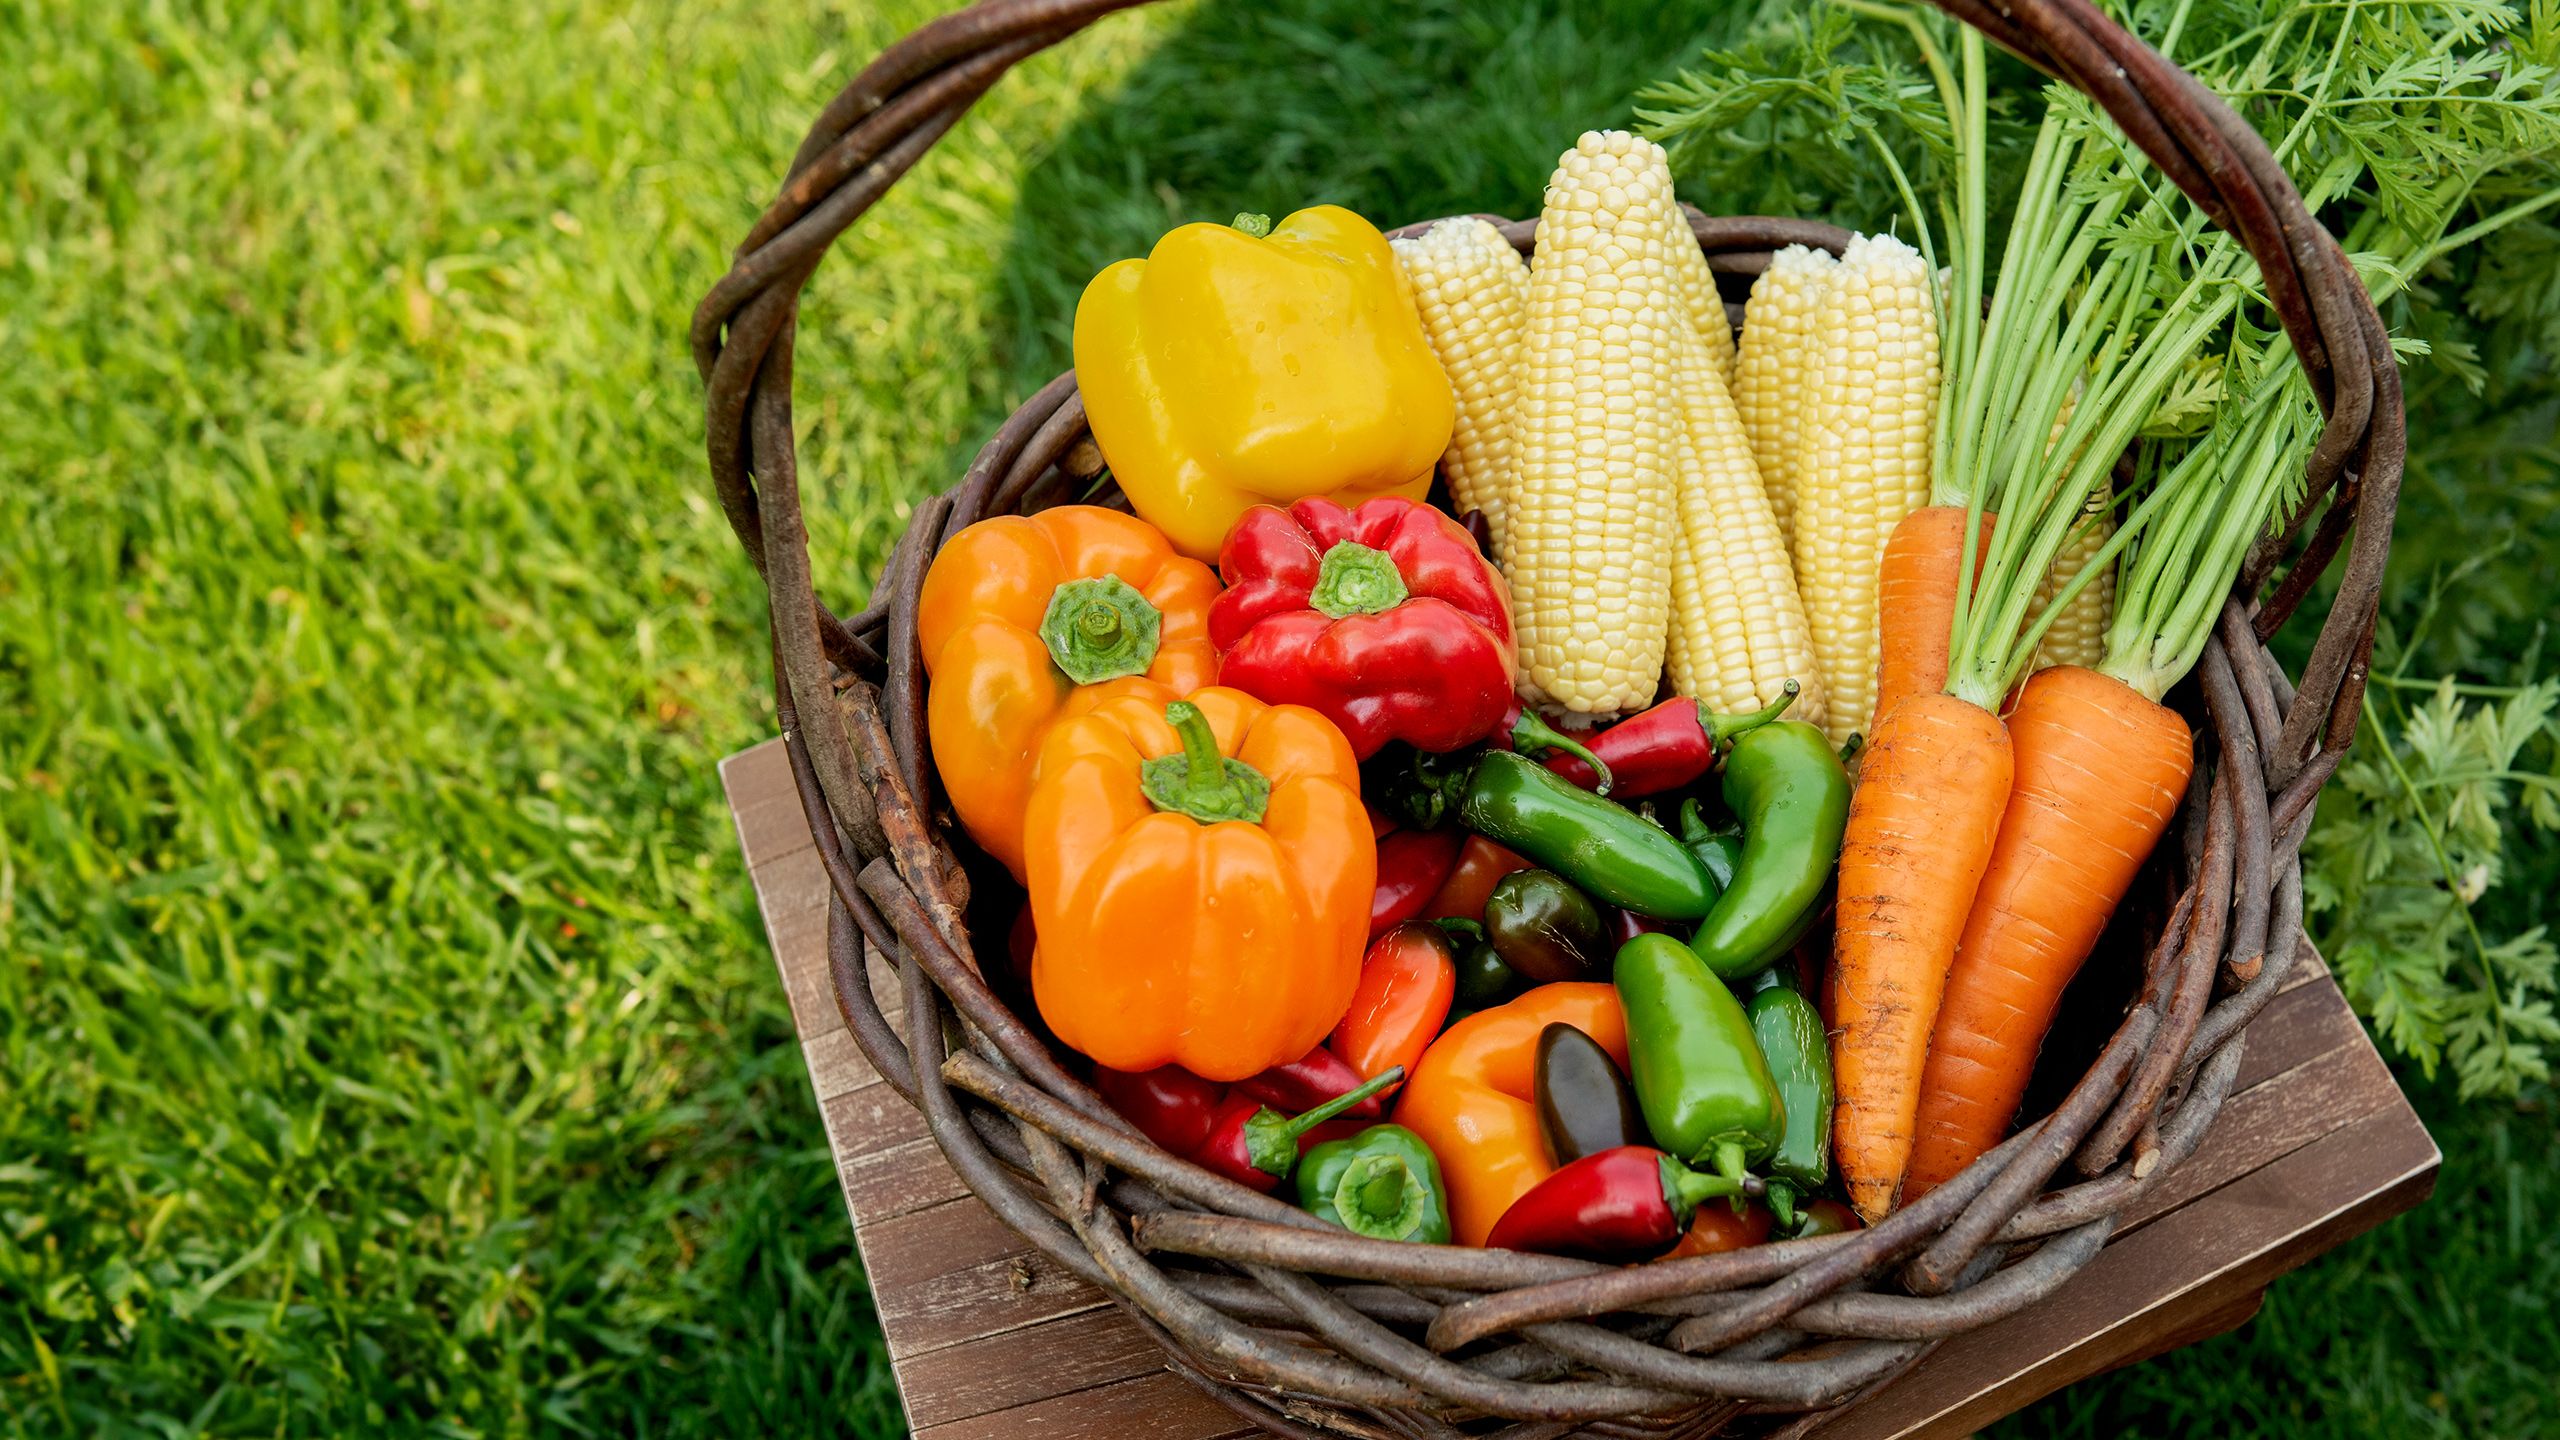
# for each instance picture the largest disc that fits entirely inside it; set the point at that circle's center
(387, 1045)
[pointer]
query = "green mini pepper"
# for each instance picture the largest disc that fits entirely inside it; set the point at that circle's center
(1799, 1058)
(1609, 851)
(1707, 1094)
(1383, 1183)
(1789, 790)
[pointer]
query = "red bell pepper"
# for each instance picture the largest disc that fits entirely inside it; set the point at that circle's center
(1384, 619)
(1309, 1081)
(1630, 1203)
(1412, 866)
(1253, 1144)
(1407, 981)
(1663, 748)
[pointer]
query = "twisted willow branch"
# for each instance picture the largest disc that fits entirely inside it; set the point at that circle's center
(1308, 1330)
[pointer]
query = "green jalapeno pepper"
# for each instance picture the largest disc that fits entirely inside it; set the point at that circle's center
(1544, 929)
(1706, 1093)
(1483, 979)
(1584, 1105)
(1789, 790)
(1383, 1182)
(1799, 1058)
(1604, 848)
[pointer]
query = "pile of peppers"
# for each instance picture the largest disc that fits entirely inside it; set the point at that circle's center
(1330, 912)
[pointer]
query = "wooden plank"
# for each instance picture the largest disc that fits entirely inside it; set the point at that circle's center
(2199, 1328)
(2161, 1281)
(872, 1119)
(2314, 1011)
(796, 924)
(1024, 1366)
(900, 1180)
(771, 823)
(954, 1273)
(837, 1065)
(1159, 1405)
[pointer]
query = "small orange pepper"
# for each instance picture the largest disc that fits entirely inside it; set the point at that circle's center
(1473, 1097)
(1407, 980)
(1025, 620)
(1199, 873)
(1716, 1228)
(1481, 866)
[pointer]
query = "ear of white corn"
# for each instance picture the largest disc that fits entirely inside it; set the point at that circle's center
(2079, 634)
(1472, 292)
(1738, 628)
(1590, 493)
(1866, 457)
(1773, 386)
(1695, 283)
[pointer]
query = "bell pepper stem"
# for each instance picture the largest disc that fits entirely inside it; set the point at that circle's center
(1723, 730)
(1100, 629)
(1852, 747)
(1532, 733)
(1271, 1138)
(1380, 1197)
(1782, 1204)
(1201, 782)
(1356, 579)
(1253, 224)
(1685, 1189)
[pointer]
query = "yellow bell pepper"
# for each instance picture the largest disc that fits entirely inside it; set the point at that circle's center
(1234, 367)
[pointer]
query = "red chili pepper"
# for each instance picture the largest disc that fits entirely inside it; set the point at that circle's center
(1310, 1081)
(1412, 866)
(1384, 619)
(1169, 1105)
(1717, 1229)
(1481, 866)
(1665, 747)
(1630, 1203)
(1253, 1144)
(1406, 983)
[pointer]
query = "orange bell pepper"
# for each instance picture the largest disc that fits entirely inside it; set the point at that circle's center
(1025, 620)
(1473, 1097)
(1200, 874)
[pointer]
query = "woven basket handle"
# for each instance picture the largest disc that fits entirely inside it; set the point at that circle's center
(882, 123)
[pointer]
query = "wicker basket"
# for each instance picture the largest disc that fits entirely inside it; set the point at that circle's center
(1308, 1330)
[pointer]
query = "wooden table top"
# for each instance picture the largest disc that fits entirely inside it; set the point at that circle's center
(2315, 1146)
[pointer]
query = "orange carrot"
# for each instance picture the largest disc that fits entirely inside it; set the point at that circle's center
(2099, 772)
(1921, 827)
(1916, 600)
